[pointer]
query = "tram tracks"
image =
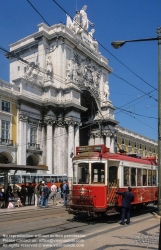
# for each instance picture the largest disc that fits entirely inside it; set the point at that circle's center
(56, 223)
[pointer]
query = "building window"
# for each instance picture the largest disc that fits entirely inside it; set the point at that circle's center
(134, 144)
(6, 106)
(150, 149)
(129, 143)
(123, 141)
(145, 147)
(5, 131)
(24, 69)
(18, 68)
(33, 134)
(140, 146)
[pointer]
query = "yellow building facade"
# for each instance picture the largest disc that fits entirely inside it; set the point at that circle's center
(134, 143)
(8, 123)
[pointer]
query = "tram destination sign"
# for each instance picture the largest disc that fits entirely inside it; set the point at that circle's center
(89, 149)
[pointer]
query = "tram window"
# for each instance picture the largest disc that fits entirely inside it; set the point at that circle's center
(139, 177)
(47, 179)
(40, 178)
(113, 175)
(1, 180)
(144, 177)
(74, 173)
(149, 177)
(126, 176)
(154, 178)
(33, 179)
(15, 179)
(83, 173)
(98, 172)
(26, 179)
(133, 176)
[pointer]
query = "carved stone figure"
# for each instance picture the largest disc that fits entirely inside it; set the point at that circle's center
(84, 19)
(106, 91)
(76, 24)
(69, 70)
(32, 71)
(93, 42)
(49, 68)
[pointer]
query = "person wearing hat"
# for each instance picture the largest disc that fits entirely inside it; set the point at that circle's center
(52, 195)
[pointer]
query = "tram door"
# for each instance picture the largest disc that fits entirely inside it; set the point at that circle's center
(112, 185)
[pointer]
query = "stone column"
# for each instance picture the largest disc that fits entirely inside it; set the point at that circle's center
(49, 146)
(76, 132)
(22, 139)
(71, 147)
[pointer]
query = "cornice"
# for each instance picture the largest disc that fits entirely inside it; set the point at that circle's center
(23, 118)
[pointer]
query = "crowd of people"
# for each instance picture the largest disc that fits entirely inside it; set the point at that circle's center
(41, 193)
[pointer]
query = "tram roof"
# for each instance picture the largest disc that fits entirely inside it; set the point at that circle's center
(114, 156)
(11, 166)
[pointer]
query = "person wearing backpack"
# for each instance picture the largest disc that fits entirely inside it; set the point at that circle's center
(45, 195)
(65, 192)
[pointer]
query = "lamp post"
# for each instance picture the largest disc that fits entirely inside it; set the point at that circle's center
(119, 44)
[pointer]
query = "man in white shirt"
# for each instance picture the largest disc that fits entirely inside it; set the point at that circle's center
(53, 194)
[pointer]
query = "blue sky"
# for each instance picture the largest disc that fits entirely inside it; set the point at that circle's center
(114, 20)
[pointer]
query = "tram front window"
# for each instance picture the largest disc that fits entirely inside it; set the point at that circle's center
(83, 173)
(98, 173)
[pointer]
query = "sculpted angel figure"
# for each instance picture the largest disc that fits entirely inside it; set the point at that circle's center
(84, 19)
(106, 91)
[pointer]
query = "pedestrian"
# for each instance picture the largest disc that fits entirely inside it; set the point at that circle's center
(40, 188)
(45, 195)
(61, 192)
(1, 198)
(30, 191)
(17, 195)
(52, 195)
(127, 198)
(65, 192)
(23, 194)
(37, 194)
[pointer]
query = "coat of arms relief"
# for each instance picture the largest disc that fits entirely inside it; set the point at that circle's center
(83, 72)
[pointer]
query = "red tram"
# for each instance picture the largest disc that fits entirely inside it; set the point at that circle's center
(98, 174)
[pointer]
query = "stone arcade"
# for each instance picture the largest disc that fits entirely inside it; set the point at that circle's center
(63, 94)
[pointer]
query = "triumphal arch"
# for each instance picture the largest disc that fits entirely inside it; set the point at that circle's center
(63, 93)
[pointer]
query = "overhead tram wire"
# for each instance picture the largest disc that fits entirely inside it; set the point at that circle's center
(135, 100)
(107, 49)
(134, 86)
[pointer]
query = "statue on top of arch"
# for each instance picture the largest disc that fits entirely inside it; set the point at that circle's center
(81, 24)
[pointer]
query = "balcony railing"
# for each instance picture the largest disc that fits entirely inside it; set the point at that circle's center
(34, 145)
(6, 142)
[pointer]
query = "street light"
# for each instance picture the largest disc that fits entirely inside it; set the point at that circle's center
(119, 44)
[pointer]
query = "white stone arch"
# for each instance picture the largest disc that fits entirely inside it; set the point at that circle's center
(6, 157)
(32, 160)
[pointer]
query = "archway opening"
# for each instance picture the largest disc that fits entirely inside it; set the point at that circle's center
(5, 158)
(32, 160)
(87, 117)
